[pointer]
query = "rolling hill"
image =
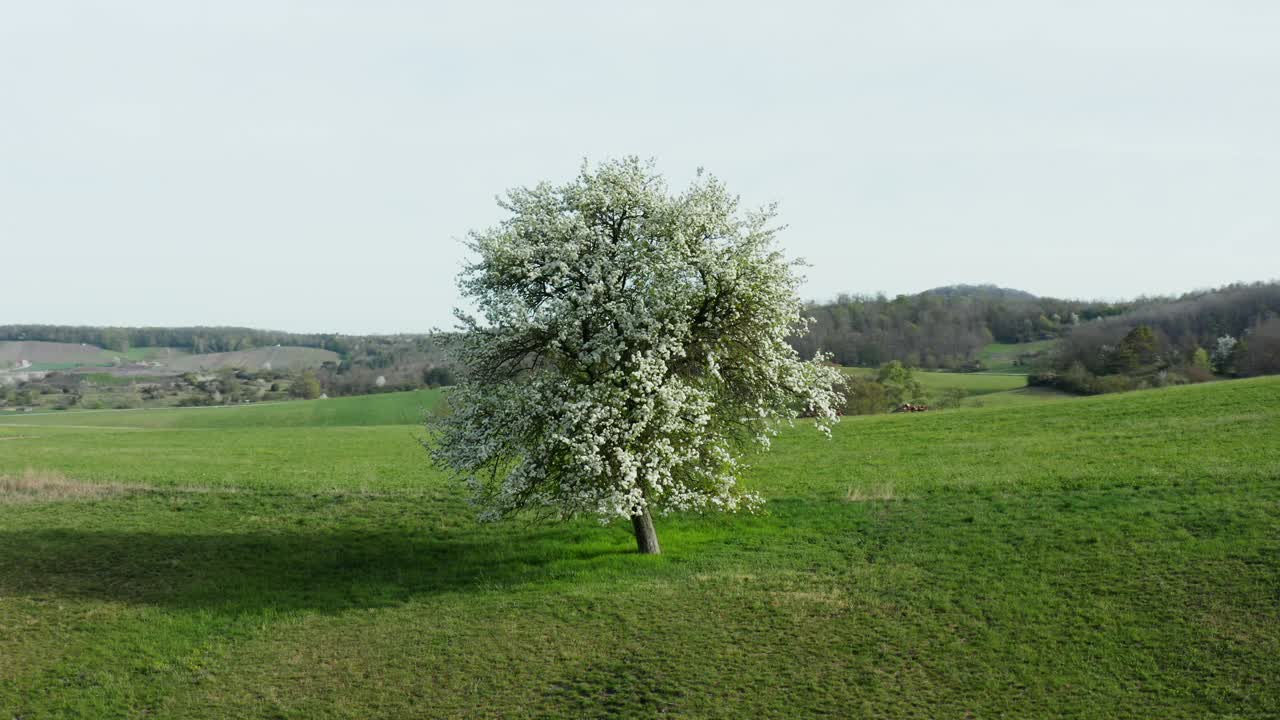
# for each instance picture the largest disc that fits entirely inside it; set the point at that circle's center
(1111, 556)
(42, 356)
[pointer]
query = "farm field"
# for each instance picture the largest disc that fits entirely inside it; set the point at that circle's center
(980, 389)
(1113, 556)
(51, 355)
(65, 356)
(972, 383)
(1002, 357)
(61, 356)
(280, 358)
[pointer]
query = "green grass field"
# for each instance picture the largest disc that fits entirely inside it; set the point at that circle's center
(935, 383)
(981, 389)
(1115, 556)
(1000, 357)
(1016, 397)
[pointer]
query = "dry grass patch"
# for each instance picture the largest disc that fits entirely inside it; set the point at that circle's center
(883, 492)
(45, 485)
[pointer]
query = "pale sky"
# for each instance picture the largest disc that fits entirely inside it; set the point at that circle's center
(314, 166)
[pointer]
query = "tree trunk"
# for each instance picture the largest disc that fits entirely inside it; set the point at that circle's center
(646, 536)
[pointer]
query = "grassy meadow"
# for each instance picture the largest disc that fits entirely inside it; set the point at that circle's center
(972, 383)
(1115, 556)
(1002, 357)
(977, 389)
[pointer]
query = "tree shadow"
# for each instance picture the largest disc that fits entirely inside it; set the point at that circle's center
(251, 572)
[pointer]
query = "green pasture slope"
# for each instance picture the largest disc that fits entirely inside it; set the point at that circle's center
(973, 383)
(1016, 397)
(1105, 557)
(999, 357)
(981, 389)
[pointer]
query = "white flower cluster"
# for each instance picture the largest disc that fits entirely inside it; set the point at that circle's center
(632, 344)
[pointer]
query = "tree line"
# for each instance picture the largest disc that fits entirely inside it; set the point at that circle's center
(943, 328)
(197, 339)
(1232, 331)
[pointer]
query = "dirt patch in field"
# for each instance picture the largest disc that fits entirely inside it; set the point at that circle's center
(44, 486)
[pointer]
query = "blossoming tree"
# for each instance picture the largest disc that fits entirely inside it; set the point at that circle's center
(630, 347)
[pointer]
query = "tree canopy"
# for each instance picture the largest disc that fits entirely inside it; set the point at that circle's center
(631, 346)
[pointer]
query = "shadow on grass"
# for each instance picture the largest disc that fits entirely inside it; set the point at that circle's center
(238, 572)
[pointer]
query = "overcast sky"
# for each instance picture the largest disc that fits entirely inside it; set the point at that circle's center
(314, 166)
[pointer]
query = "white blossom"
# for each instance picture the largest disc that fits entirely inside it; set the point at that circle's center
(631, 346)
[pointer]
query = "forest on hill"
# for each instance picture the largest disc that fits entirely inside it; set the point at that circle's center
(942, 328)
(201, 339)
(947, 328)
(1229, 332)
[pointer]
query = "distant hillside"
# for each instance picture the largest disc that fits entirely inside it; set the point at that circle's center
(43, 356)
(989, 292)
(275, 358)
(347, 364)
(39, 354)
(195, 339)
(949, 327)
(1231, 331)
(943, 328)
